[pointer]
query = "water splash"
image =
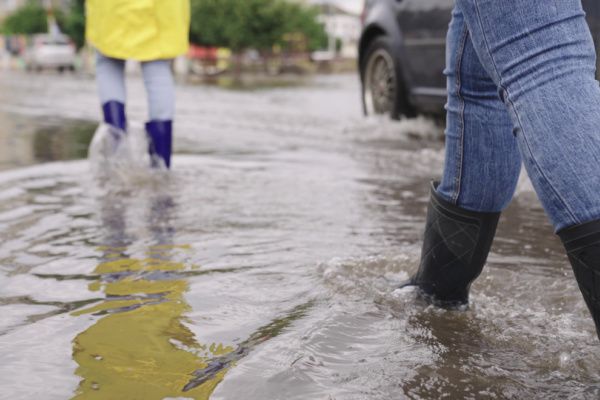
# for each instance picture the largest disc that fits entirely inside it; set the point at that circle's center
(121, 158)
(369, 276)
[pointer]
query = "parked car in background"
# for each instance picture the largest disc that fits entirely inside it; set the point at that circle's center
(50, 52)
(402, 54)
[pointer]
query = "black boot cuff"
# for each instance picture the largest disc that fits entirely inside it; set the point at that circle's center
(582, 235)
(458, 211)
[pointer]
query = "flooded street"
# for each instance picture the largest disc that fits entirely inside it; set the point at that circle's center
(264, 266)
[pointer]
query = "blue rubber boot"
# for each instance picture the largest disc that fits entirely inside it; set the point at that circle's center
(114, 114)
(160, 138)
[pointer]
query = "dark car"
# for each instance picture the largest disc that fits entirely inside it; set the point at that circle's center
(402, 54)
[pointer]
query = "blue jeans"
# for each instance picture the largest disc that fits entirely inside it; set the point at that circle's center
(522, 90)
(158, 80)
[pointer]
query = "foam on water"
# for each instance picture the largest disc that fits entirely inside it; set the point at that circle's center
(515, 333)
(119, 158)
(371, 276)
(381, 128)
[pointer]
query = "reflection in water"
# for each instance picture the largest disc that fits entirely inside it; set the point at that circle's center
(28, 140)
(221, 363)
(459, 347)
(140, 347)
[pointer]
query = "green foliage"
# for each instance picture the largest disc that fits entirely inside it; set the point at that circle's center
(209, 18)
(302, 19)
(73, 22)
(29, 19)
(32, 18)
(257, 24)
(236, 24)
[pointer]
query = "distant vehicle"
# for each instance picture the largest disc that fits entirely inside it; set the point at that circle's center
(50, 52)
(402, 54)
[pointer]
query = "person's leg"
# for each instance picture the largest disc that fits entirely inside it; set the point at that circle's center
(541, 56)
(110, 78)
(482, 162)
(160, 88)
(481, 171)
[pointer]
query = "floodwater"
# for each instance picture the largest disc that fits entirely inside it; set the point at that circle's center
(264, 265)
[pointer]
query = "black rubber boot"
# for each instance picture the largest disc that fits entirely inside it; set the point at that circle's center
(455, 249)
(582, 243)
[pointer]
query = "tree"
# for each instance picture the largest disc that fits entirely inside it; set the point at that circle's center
(209, 17)
(29, 19)
(32, 18)
(73, 22)
(304, 20)
(256, 24)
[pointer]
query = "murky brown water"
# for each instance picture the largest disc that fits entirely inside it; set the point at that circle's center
(264, 266)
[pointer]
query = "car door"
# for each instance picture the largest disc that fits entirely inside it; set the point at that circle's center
(424, 24)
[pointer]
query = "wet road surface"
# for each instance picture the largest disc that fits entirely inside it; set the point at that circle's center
(264, 266)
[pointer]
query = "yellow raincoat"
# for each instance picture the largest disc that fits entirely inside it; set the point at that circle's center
(142, 30)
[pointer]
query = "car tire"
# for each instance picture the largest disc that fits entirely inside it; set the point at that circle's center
(383, 89)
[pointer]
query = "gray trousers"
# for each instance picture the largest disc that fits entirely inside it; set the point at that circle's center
(158, 80)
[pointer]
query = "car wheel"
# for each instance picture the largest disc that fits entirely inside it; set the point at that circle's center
(383, 91)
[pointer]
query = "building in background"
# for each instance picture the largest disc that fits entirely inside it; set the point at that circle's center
(342, 24)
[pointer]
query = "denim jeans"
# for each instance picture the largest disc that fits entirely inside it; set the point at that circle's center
(158, 80)
(522, 90)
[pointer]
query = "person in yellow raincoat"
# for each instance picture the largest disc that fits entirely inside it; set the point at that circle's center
(152, 32)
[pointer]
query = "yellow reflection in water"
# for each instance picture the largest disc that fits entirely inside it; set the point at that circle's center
(140, 348)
